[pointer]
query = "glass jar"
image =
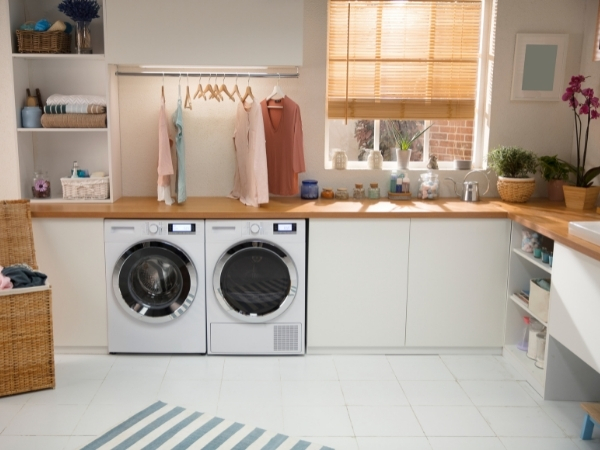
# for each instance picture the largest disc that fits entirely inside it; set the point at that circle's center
(327, 193)
(374, 190)
(359, 191)
(375, 160)
(341, 194)
(309, 189)
(428, 186)
(41, 184)
(339, 160)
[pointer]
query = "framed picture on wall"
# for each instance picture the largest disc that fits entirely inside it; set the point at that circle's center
(539, 67)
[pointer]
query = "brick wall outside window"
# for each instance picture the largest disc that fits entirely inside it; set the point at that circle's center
(451, 139)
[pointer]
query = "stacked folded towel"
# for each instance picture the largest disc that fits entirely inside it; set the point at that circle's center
(74, 111)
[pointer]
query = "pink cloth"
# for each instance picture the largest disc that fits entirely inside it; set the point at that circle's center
(250, 183)
(5, 282)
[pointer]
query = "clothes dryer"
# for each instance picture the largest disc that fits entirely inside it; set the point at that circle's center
(155, 286)
(255, 292)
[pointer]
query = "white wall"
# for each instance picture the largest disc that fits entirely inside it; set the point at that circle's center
(544, 127)
(592, 69)
(9, 161)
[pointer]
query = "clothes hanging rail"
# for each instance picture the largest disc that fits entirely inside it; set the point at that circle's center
(240, 75)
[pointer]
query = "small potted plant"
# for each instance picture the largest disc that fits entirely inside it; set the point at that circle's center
(555, 172)
(584, 104)
(82, 12)
(403, 142)
(513, 165)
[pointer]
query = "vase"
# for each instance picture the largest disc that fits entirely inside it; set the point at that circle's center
(375, 160)
(555, 190)
(83, 38)
(403, 157)
(515, 190)
(581, 197)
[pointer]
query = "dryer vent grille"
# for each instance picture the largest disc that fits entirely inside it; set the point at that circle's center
(286, 338)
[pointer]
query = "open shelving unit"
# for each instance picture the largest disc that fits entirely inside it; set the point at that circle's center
(55, 149)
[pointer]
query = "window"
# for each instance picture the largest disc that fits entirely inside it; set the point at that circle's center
(418, 62)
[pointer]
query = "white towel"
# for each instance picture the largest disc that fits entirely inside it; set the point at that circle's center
(59, 99)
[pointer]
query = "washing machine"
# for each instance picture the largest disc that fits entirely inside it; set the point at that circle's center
(155, 286)
(255, 291)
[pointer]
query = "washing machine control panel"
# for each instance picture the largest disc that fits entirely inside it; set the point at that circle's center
(284, 228)
(182, 228)
(154, 228)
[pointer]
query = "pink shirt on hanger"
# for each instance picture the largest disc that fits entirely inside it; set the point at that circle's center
(250, 183)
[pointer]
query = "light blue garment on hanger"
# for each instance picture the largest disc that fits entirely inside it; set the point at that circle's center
(179, 143)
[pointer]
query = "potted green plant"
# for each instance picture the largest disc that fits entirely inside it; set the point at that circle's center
(403, 142)
(583, 195)
(513, 166)
(555, 172)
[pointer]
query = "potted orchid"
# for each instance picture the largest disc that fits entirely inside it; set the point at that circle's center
(583, 195)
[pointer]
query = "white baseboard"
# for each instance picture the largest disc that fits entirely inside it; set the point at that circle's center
(404, 350)
(76, 350)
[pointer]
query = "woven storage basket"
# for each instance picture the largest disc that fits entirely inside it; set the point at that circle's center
(516, 190)
(26, 344)
(43, 42)
(85, 188)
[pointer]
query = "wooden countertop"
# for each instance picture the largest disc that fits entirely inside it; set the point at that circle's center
(548, 218)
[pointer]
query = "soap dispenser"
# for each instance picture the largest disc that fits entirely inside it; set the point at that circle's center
(74, 170)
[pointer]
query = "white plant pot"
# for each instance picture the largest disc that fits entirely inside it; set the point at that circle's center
(403, 158)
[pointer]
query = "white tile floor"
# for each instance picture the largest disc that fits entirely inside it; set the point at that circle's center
(346, 402)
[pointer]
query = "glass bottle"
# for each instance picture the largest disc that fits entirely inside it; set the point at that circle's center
(327, 193)
(75, 170)
(309, 190)
(524, 344)
(359, 191)
(374, 190)
(428, 186)
(41, 184)
(341, 194)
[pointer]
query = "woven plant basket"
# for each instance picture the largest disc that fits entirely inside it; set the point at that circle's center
(26, 344)
(516, 190)
(43, 42)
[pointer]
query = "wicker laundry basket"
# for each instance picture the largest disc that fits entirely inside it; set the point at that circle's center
(43, 41)
(86, 188)
(26, 344)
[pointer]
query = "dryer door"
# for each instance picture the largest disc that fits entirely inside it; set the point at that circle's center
(255, 281)
(154, 281)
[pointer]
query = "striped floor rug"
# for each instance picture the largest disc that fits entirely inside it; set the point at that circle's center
(162, 426)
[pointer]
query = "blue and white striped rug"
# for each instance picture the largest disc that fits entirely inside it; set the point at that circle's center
(162, 426)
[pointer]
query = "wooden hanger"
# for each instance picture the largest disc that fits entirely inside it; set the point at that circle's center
(209, 89)
(218, 96)
(236, 90)
(162, 89)
(248, 92)
(188, 100)
(224, 89)
(199, 91)
(277, 94)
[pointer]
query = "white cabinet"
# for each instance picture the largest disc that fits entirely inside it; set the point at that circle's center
(71, 253)
(575, 304)
(357, 274)
(457, 282)
(205, 32)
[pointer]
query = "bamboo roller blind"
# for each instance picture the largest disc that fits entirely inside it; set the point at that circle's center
(411, 59)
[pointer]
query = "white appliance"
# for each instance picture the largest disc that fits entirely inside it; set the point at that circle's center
(255, 291)
(155, 286)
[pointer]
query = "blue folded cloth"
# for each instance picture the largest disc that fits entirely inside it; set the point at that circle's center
(22, 276)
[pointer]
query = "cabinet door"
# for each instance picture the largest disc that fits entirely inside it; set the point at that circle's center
(71, 253)
(357, 273)
(204, 32)
(457, 282)
(575, 303)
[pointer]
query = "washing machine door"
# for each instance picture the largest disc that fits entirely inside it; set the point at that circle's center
(255, 281)
(154, 281)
